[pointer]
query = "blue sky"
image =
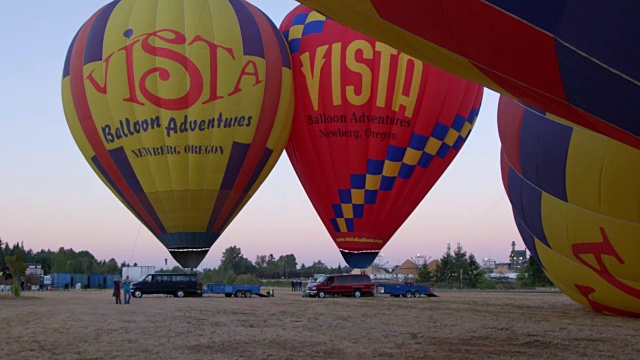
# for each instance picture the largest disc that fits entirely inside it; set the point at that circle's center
(50, 197)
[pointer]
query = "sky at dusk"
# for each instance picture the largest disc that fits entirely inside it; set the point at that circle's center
(50, 197)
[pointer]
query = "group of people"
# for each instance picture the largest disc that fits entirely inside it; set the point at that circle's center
(126, 289)
(296, 285)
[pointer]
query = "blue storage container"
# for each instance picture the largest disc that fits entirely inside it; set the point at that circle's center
(82, 279)
(96, 281)
(59, 280)
(109, 280)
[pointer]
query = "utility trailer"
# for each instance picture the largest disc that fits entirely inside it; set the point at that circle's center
(405, 290)
(230, 290)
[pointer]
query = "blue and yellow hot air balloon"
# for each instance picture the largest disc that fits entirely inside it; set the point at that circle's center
(182, 108)
(575, 196)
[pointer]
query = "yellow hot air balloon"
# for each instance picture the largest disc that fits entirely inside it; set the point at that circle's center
(574, 197)
(182, 108)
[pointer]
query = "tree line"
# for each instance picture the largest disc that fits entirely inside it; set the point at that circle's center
(266, 267)
(459, 270)
(59, 261)
(232, 261)
(455, 269)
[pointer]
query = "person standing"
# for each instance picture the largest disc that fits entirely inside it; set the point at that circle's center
(126, 289)
(116, 290)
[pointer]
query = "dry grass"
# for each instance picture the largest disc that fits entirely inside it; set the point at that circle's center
(478, 325)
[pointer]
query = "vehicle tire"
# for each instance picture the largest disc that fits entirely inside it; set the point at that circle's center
(180, 293)
(321, 294)
(248, 293)
(408, 294)
(416, 293)
(237, 294)
(137, 294)
(357, 293)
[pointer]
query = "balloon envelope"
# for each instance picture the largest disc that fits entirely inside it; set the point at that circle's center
(182, 108)
(575, 59)
(373, 130)
(575, 196)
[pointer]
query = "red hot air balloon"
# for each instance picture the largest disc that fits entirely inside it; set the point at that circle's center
(373, 130)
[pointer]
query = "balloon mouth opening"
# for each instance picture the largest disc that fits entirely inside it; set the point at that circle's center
(359, 260)
(189, 257)
(188, 249)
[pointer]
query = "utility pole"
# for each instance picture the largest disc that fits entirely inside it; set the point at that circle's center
(460, 279)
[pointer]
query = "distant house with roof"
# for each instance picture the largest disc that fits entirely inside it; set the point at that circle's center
(408, 269)
(431, 265)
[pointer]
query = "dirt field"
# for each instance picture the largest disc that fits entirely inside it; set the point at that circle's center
(88, 325)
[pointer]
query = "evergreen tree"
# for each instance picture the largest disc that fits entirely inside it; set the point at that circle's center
(445, 268)
(425, 275)
(532, 275)
(474, 272)
(451, 267)
(45, 259)
(460, 264)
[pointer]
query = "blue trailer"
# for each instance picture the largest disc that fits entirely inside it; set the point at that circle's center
(405, 290)
(233, 290)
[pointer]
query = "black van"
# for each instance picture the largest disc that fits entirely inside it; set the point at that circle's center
(178, 285)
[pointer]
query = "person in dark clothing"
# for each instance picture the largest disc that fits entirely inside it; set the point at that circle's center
(116, 290)
(293, 285)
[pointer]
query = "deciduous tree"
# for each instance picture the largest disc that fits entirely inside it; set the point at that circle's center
(17, 267)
